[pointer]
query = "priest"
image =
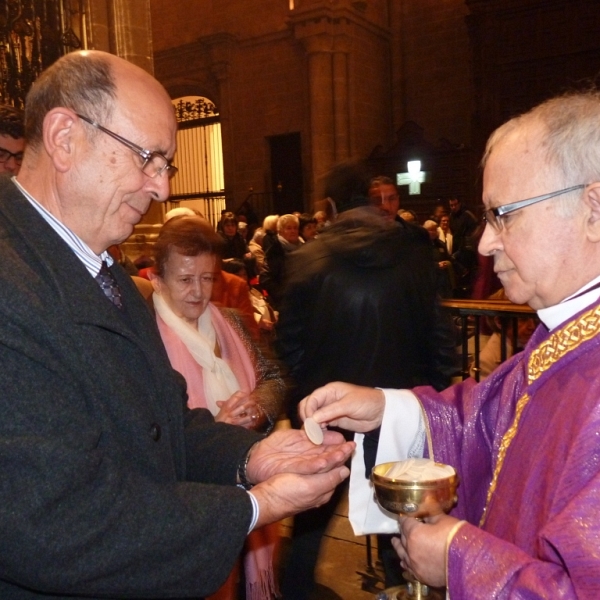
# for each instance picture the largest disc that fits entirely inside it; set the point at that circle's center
(526, 441)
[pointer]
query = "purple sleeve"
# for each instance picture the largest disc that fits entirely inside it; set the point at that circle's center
(481, 565)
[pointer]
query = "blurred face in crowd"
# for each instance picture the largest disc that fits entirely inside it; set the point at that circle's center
(11, 154)
(454, 205)
(438, 212)
(320, 217)
(230, 228)
(290, 232)
(187, 283)
(309, 231)
(432, 231)
(385, 197)
(445, 223)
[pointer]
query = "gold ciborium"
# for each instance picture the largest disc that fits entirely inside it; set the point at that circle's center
(398, 491)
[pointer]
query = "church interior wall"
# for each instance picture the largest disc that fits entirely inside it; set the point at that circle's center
(436, 66)
(268, 98)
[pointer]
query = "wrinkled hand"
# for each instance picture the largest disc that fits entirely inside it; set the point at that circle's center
(344, 405)
(422, 547)
(239, 409)
(290, 451)
(287, 494)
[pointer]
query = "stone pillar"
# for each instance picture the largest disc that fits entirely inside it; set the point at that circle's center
(325, 35)
(321, 94)
(220, 50)
(130, 31)
(341, 98)
(122, 27)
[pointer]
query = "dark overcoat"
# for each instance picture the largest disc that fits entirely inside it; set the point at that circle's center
(110, 487)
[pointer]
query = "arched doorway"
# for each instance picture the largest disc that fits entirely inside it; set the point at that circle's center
(199, 183)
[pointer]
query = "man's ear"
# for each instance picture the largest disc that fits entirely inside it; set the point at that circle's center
(58, 136)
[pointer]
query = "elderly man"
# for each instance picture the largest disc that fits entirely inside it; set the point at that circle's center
(12, 141)
(110, 487)
(525, 441)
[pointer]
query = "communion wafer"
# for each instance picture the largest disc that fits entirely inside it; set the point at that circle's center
(419, 469)
(313, 431)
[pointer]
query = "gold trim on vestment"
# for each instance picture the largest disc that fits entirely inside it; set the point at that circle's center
(428, 435)
(558, 345)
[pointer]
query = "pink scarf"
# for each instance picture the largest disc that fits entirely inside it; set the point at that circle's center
(260, 544)
(233, 353)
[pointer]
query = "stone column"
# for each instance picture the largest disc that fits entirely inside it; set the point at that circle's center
(341, 98)
(324, 33)
(220, 50)
(321, 94)
(130, 31)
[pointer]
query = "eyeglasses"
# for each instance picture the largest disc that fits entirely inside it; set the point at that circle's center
(154, 163)
(5, 156)
(494, 216)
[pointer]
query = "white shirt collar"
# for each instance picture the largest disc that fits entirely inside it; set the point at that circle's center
(553, 316)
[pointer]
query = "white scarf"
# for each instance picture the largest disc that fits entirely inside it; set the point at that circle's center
(218, 378)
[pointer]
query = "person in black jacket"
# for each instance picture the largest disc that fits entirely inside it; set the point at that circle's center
(360, 305)
(235, 244)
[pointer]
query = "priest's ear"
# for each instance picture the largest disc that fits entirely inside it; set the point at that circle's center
(591, 198)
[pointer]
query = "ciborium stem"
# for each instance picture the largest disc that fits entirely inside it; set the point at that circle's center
(415, 488)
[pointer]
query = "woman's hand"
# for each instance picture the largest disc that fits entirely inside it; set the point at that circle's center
(240, 409)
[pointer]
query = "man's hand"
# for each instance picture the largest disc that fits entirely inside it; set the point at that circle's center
(422, 547)
(344, 405)
(290, 451)
(288, 494)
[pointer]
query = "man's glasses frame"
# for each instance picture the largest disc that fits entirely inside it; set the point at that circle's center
(6, 155)
(493, 216)
(154, 162)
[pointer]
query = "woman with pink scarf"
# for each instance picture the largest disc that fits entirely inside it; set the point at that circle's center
(224, 370)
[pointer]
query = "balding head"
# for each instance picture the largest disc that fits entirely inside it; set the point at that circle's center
(100, 128)
(82, 81)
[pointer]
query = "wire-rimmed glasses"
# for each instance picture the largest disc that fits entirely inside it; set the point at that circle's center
(154, 162)
(493, 216)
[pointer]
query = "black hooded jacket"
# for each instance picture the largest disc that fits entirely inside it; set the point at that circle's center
(360, 306)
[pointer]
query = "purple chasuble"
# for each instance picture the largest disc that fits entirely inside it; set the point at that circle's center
(539, 536)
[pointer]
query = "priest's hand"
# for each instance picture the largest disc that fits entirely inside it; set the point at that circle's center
(290, 451)
(422, 547)
(344, 405)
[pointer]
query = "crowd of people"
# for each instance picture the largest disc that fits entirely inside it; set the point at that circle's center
(140, 447)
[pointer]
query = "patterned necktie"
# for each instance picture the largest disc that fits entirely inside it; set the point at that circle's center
(109, 285)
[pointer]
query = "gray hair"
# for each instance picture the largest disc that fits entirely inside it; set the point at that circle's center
(571, 141)
(270, 222)
(259, 235)
(285, 219)
(82, 82)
